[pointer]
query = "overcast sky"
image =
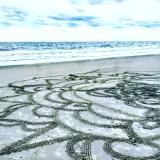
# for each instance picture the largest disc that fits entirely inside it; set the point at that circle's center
(79, 20)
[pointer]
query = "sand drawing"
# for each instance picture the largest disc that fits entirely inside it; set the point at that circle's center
(119, 113)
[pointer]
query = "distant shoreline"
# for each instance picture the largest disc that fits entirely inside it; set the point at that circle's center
(80, 60)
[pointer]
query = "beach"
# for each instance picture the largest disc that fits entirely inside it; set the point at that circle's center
(133, 64)
(88, 110)
(80, 80)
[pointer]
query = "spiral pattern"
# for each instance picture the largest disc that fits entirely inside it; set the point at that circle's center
(89, 116)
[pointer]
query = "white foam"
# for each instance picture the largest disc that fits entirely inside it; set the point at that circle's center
(24, 57)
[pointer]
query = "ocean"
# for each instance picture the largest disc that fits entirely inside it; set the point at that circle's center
(23, 53)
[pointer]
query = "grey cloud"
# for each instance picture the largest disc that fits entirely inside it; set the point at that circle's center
(99, 2)
(74, 21)
(72, 18)
(140, 23)
(10, 15)
(96, 2)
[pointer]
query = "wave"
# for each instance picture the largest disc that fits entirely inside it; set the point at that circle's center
(34, 53)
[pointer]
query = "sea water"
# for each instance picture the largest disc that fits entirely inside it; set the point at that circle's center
(22, 53)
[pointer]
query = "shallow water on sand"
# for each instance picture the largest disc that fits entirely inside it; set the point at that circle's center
(88, 116)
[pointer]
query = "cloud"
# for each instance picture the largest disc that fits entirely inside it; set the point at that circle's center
(123, 23)
(74, 21)
(152, 24)
(73, 18)
(98, 19)
(72, 24)
(11, 16)
(96, 2)
(6, 24)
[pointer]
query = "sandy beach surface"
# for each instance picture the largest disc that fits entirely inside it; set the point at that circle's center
(137, 63)
(105, 109)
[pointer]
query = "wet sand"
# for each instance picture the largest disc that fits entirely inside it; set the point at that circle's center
(89, 110)
(140, 63)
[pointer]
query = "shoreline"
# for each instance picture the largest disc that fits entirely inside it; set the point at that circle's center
(118, 64)
(77, 60)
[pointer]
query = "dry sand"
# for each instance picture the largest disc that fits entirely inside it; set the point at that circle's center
(60, 112)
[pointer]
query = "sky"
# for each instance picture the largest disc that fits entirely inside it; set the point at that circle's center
(79, 20)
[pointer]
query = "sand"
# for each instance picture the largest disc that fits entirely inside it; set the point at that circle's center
(137, 63)
(88, 110)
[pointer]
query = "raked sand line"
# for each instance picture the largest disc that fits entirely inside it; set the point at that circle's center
(95, 115)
